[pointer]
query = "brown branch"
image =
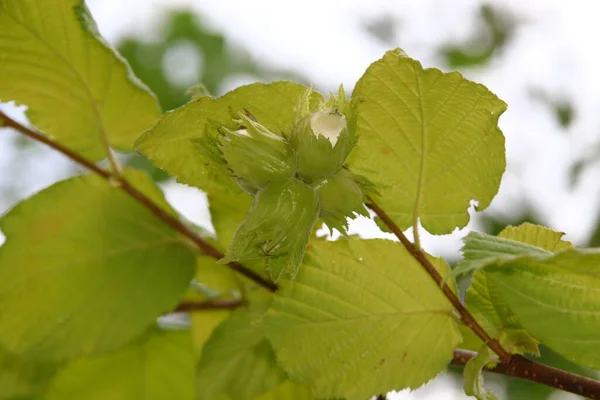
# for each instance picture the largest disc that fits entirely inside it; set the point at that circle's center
(220, 304)
(420, 256)
(523, 368)
(165, 216)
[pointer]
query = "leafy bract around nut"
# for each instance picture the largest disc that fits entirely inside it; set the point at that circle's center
(340, 198)
(277, 227)
(254, 155)
(323, 138)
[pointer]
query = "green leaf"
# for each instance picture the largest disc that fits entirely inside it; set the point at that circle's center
(223, 283)
(237, 360)
(481, 249)
(158, 366)
(20, 378)
(174, 143)
(484, 300)
(227, 212)
(362, 318)
(473, 384)
(288, 390)
(85, 268)
(76, 87)
(556, 299)
(429, 140)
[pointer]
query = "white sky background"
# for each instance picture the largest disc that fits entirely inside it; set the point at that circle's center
(554, 49)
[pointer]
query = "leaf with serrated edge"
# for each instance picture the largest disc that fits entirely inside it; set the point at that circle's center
(237, 360)
(85, 268)
(361, 318)
(76, 88)
(473, 384)
(480, 248)
(158, 366)
(288, 390)
(485, 301)
(429, 140)
(556, 299)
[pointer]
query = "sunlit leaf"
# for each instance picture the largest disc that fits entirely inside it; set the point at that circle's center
(362, 318)
(429, 140)
(53, 60)
(237, 360)
(484, 300)
(85, 268)
(158, 366)
(556, 299)
(21, 378)
(222, 283)
(288, 390)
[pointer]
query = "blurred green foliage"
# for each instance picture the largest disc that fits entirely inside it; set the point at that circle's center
(220, 60)
(495, 30)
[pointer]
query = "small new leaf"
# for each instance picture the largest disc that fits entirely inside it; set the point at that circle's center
(480, 249)
(473, 384)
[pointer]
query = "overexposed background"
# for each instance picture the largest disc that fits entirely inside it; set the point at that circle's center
(539, 56)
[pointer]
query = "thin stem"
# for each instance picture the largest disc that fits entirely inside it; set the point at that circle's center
(416, 236)
(523, 368)
(165, 216)
(218, 304)
(420, 256)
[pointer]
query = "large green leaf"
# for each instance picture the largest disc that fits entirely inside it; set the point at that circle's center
(362, 318)
(85, 268)
(237, 360)
(77, 90)
(174, 142)
(288, 390)
(158, 366)
(484, 299)
(20, 378)
(556, 299)
(429, 140)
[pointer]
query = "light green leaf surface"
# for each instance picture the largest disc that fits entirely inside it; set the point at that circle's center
(223, 283)
(288, 390)
(237, 360)
(21, 378)
(480, 249)
(362, 318)
(473, 384)
(173, 143)
(85, 268)
(556, 299)
(485, 300)
(158, 366)
(429, 140)
(53, 60)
